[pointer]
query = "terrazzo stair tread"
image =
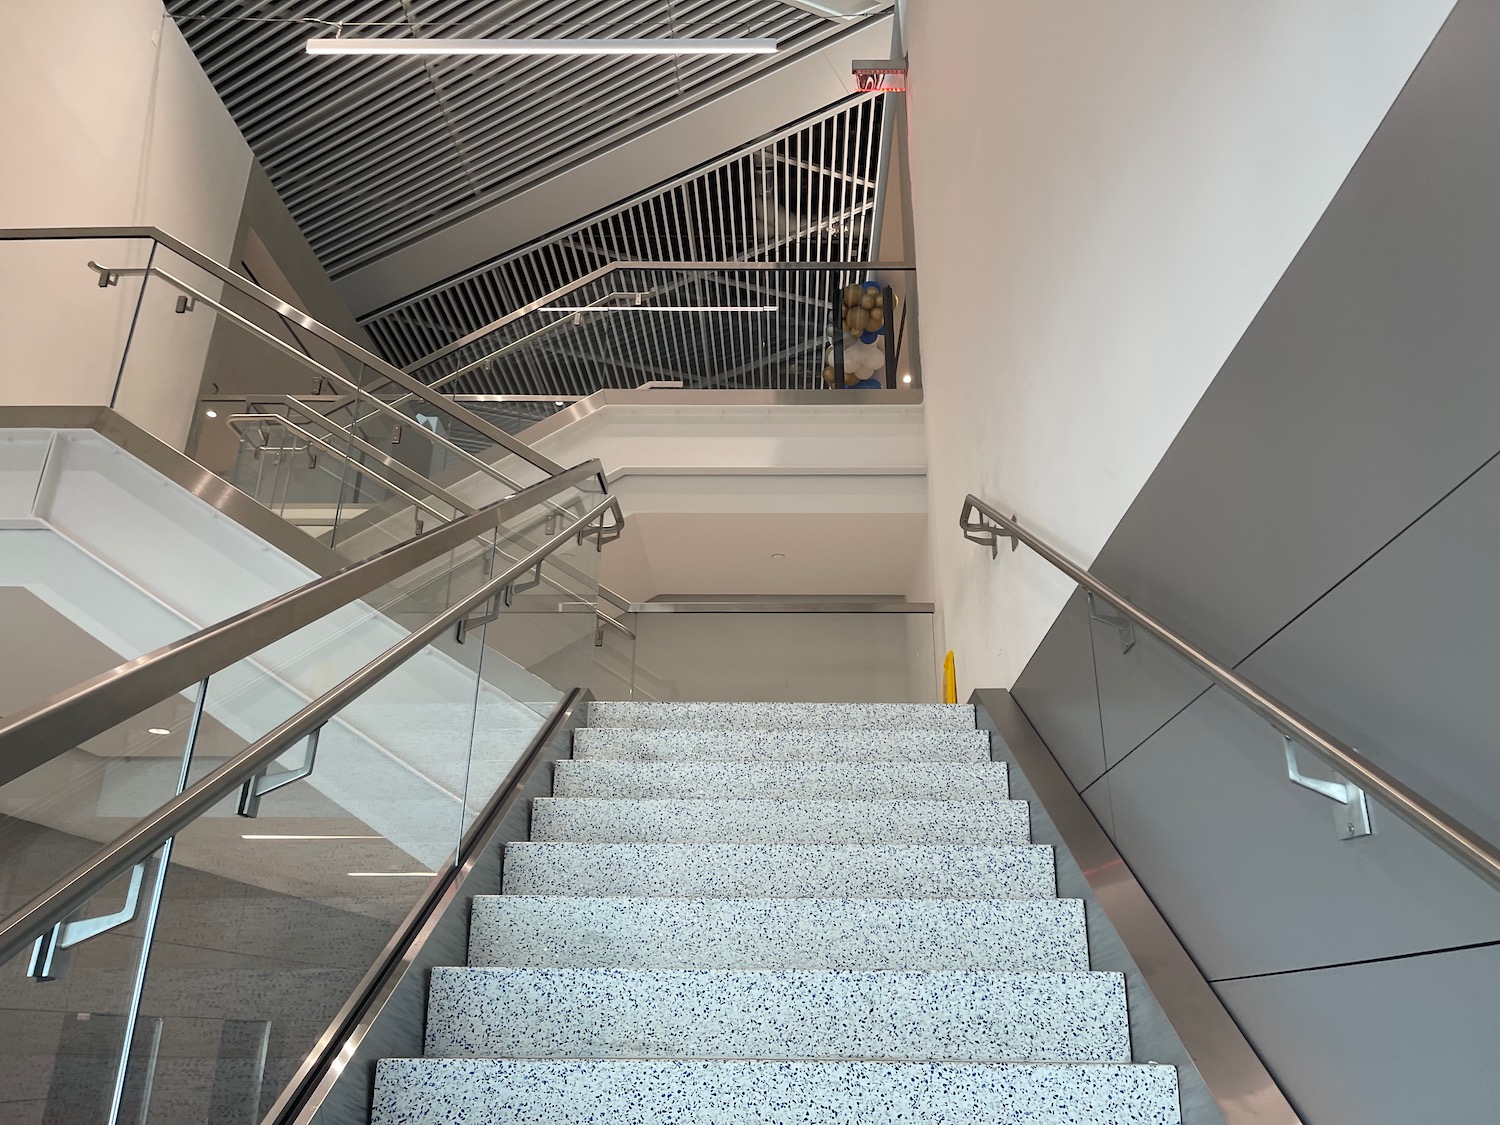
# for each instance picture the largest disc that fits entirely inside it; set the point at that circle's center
(793, 1013)
(927, 781)
(671, 745)
(780, 870)
(789, 933)
(762, 1092)
(782, 716)
(602, 820)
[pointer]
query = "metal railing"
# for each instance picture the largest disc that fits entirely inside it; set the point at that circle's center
(740, 325)
(986, 525)
(138, 684)
(413, 388)
(42, 731)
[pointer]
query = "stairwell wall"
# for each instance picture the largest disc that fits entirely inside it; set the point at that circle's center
(1327, 521)
(1103, 196)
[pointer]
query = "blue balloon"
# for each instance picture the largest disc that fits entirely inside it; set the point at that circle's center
(869, 337)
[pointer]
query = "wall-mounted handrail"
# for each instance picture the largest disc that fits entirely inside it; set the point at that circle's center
(42, 731)
(290, 312)
(1463, 843)
(73, 890)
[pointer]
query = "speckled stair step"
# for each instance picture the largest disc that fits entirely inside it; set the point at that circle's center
(598, 820)
(799, 1013)
(627, 744)
(782, 716)
(787, 933)
(924, 781)
(780, 870)
(759, 1092)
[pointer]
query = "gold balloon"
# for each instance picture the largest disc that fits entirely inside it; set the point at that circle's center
(877, 318)
(858, 318)
(852, 377)
(852, 295)
(868, 300)
(828, 375)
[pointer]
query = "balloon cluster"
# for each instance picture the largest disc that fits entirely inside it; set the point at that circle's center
(863, 323)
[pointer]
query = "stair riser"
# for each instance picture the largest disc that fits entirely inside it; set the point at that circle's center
(589, 820)
(777, 871)
(598, 1013)
(782, 716)
(865, 934)
(779, 746)
(788, 781)
(755, 1092)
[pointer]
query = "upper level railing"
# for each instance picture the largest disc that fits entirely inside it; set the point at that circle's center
(698, 325)
(1357, 775)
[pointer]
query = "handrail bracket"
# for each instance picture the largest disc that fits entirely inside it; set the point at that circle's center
(258, 785)
(987, 534)
(1353, 813)
(49, 954)
(1124, 625)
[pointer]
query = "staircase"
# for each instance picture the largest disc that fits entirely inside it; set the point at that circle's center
(756, 912)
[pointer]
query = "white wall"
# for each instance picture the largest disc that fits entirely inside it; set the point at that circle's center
(108, 120)
(1103, 196)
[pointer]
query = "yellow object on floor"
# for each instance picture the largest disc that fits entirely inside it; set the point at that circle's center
(950, 679)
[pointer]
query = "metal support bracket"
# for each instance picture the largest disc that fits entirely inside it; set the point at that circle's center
(186, 304)
(986, 534)
(598, 631)
(514, 588)
(49, 954)
(107, 276)
(258, 785)
(1353, 813)
(1124, 625)
(466, 625)
(601, 534)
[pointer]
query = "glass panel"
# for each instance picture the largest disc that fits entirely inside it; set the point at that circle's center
(62, 1040)
(267, 923)
(53, 306)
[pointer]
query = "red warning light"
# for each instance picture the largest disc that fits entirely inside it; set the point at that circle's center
(880, 76)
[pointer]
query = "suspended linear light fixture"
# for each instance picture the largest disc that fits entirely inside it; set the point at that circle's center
(327, 45)
(657, 308)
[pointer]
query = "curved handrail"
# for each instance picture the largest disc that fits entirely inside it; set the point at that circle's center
(42, 731)
(69, 893)
(290, 312)
(1458, 840)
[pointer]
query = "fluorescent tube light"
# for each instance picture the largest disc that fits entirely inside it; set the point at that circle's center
(325, 45)
(392, 874)
(317, 836)
(656, 308)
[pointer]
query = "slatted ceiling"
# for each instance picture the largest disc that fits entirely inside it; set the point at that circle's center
(805, 193)
(370, 154)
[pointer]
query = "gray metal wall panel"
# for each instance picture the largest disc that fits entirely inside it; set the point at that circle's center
(1058, 694)
(1249, 871)
(1139, 690)
(1400, 660)
(1396, 1043)
(1363, 389)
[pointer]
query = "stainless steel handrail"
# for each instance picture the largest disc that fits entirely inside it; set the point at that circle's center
(290, 312)
(311, 440)
(613, 267)
(41, 732)
(338, 1048)
(69, 893)
(1463, 843)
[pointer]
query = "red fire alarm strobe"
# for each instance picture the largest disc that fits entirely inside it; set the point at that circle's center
(880, 76)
